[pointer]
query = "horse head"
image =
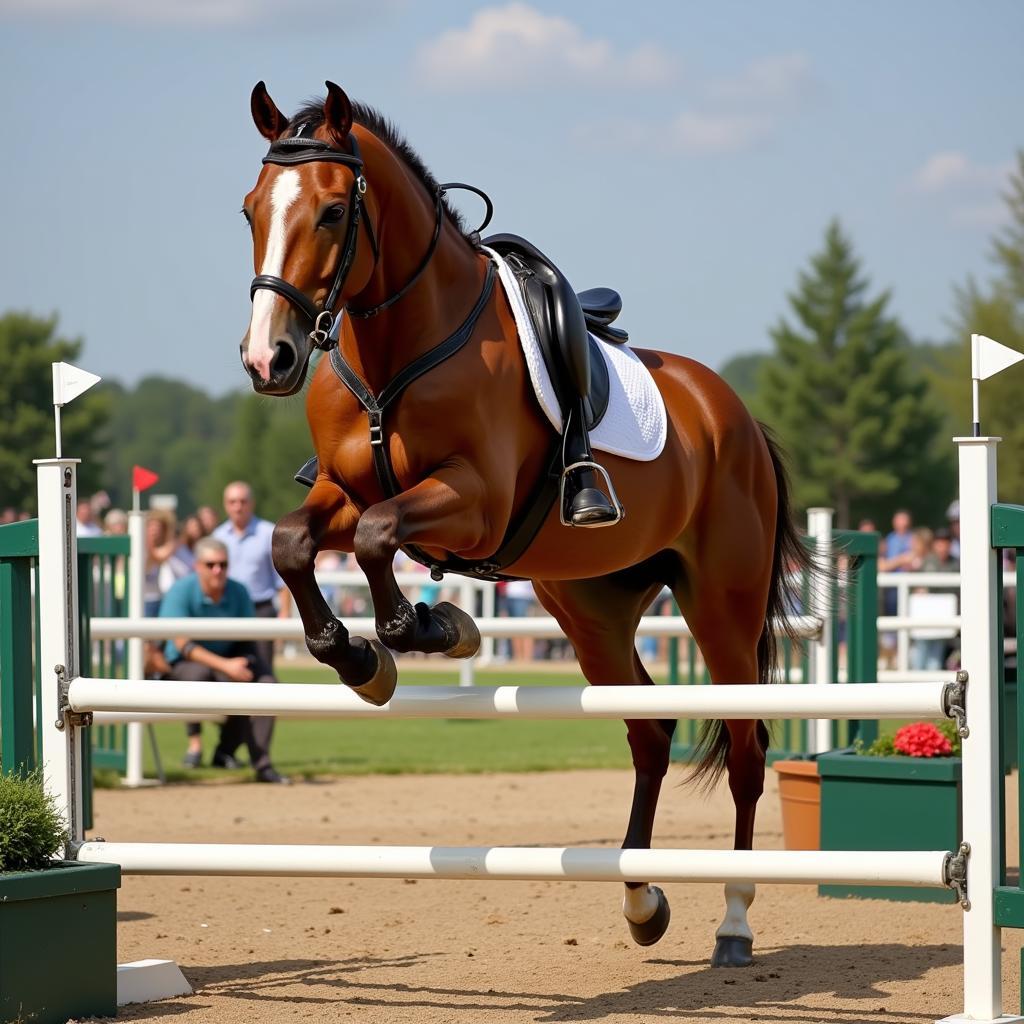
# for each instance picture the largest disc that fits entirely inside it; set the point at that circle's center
(307, 215)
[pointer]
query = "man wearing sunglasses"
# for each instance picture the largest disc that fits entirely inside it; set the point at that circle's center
(209, 594)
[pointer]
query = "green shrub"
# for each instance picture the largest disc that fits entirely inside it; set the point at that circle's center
(32, 829)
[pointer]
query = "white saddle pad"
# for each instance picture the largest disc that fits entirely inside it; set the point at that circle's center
(634, 424)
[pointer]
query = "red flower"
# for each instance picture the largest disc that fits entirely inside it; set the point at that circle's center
(922, 739)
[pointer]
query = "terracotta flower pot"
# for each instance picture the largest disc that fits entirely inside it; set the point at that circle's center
(800, 793)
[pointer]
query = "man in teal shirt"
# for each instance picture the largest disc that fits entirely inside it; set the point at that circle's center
(209, 594)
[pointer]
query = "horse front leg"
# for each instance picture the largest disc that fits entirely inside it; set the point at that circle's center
(442, 511)
(328, 515)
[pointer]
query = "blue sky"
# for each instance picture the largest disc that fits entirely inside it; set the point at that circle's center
(689, 154)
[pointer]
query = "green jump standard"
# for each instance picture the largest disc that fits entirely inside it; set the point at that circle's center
(890, 803)
(58, 943)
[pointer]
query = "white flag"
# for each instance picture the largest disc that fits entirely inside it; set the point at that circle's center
(70, 381)
(988, 357)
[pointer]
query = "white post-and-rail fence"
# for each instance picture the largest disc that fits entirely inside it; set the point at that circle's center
(136, 629)
(69, 701)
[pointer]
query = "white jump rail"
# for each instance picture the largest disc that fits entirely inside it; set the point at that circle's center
(516, 863)
(541, 626)
(68, 699)
(305, 700)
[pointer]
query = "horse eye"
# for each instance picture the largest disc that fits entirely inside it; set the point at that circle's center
(245, 214)
(333, 214)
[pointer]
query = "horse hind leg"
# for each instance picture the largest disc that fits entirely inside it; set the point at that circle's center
(727, 627)
(600, 617)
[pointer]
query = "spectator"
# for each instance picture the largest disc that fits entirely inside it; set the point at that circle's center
(942, 559)
(920, 548)
(86, 525)
(209, 519)
(191, 533)
(953, 516)
(115, 523)
(248, 539)
(930, 647)
(160, 545)
(519, 602)
(209, 594)
(867, 526)
(897, 542)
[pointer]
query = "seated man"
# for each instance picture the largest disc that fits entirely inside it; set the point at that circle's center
(209, 594)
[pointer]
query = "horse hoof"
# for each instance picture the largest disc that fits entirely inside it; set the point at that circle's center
(732, 951)
(460, 625)
(378, 689)
(648, 932)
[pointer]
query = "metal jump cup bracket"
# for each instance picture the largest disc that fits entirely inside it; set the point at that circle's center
(954, 873)
(954, 703)
(65, 716)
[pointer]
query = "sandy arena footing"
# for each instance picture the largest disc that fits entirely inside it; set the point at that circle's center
(272, 949)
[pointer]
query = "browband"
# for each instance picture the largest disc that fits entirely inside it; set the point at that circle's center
(297, 150)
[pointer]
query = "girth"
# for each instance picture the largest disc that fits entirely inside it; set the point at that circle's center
(521, 531)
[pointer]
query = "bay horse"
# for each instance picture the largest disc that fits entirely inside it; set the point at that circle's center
(345, 217)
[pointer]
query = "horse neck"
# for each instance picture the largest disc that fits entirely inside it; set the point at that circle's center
(379, 346)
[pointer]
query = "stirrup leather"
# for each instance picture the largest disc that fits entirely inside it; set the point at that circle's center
(612, 496)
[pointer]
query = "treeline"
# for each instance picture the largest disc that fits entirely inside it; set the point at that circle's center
(196, 442)
(864, 411)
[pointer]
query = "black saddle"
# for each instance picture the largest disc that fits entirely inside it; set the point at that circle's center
(565, 323)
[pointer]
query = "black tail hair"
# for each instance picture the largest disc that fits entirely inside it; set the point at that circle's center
(789, 557)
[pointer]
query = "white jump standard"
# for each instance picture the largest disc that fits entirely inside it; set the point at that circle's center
(69, 700)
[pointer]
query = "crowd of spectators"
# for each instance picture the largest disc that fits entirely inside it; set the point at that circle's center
(910, 549)
(205, 568)
(170, 556)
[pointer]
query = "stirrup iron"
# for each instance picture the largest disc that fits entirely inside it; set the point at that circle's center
(612, 496)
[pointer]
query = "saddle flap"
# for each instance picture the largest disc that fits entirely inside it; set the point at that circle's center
(539, 301)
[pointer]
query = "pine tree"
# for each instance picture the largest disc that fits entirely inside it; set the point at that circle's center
(855, 417)
(997, 311)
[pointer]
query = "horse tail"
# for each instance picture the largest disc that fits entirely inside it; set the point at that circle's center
(790, 559)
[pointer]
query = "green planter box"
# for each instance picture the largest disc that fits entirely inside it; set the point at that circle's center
(889, 803)
(58, 943)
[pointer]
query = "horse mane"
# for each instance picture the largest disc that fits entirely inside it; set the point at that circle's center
(311, 114)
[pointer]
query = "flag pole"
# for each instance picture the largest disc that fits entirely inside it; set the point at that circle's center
(977, 414)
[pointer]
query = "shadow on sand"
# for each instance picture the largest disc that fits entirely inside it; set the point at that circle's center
(796, 984)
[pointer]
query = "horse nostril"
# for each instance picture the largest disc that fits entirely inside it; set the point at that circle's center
(284, 358)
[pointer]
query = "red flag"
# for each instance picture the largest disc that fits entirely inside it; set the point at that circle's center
(143, 478)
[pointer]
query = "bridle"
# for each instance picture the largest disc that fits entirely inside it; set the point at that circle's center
(297, 150)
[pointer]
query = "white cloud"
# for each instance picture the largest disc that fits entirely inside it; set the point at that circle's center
(955, 170)
(202, 13)
(702, 134)
(518, 45)
(779, 80)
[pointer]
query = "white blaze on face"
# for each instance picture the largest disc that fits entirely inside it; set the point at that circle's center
(284, 193)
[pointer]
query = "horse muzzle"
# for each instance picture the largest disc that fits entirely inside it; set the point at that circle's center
(284, 372)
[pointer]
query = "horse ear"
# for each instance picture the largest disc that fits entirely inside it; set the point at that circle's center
(337, 113)
(270, 122)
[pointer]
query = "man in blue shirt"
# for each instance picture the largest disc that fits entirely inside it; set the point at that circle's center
(248, 540)
(209, 594)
